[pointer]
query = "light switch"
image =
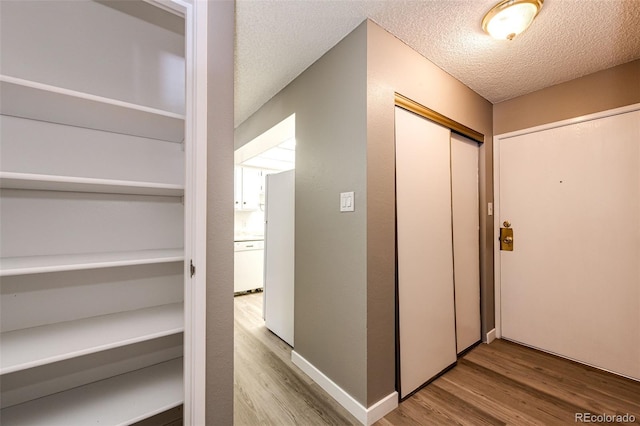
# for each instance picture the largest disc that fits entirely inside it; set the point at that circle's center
(489, 209)
(347, 202)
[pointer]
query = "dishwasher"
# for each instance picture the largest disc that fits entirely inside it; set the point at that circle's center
(248, 265)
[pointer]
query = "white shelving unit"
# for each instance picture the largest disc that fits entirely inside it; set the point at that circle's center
(92, 186)
(38, 101)
(74, 262)
(121, 400)
(36, 346)
(39, 182)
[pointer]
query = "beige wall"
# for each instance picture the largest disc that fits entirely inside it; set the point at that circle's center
(608, 89)
(329, 100)
(219, 380)
(394, 67)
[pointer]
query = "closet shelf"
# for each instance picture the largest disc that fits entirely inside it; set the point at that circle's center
(123, 399)
(38, 101)
(72, 262)
(13, 180)
(36, 346)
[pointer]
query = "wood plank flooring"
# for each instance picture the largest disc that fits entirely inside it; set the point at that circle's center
(498, 384)
(508, 384)
(268, 388)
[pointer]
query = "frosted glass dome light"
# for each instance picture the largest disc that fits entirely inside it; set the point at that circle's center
(509, 18)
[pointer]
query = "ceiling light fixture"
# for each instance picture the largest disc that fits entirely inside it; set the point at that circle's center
(509, 18)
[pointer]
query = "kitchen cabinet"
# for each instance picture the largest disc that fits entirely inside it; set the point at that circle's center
(248, 265)
(248, 186)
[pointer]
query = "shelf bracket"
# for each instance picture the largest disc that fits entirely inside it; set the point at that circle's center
(192, 268)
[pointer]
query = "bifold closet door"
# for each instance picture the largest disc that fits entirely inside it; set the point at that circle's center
(466, 239)
(427, 336)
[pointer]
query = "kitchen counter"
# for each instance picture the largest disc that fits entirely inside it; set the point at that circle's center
(238, 238)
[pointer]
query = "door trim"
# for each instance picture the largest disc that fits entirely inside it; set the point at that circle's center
(195, 204)
(496, 189)
(416, 108)
(195, 360)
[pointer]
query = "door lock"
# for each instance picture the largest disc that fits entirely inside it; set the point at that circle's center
(506, 237)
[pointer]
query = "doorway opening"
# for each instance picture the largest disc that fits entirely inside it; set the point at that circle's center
(271, 152)
(263, 255)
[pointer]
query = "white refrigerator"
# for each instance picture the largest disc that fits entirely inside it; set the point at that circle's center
(279, 254)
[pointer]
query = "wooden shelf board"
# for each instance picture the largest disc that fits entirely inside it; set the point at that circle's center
(38, 101)
(58, 263)
(32, 181)
(36, 346)
(119, 400)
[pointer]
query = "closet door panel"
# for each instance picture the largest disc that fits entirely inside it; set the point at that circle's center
(466, 239)
(425, 252)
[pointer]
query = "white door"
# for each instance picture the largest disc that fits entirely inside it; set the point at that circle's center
(279, 254)
(427, 336)
(571, 285)
(466, 240)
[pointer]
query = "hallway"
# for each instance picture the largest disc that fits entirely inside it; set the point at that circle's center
(268, 388)
(498, 384)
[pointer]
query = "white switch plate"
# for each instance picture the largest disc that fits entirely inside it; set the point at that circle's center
(347, 202)
(490, 209)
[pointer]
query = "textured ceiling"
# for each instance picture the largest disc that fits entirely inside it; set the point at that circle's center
(278, 39)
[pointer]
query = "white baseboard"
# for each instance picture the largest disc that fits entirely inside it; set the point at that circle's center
(491, 335)
(367, 416)
(382, 408)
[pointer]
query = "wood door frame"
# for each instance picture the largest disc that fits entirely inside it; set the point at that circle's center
(195, 15)
(496, 190)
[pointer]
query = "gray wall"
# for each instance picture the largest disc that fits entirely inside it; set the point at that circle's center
(219, 380)
(329, 100)
(331, 251)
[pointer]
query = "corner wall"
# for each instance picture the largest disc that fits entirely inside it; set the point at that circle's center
(611, 88)
(219, 346)
(345, 262)
(329, 100)
(392, 67)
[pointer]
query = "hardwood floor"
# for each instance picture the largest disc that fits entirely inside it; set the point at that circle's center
(268, 388)
(497, 384)
(505, 383)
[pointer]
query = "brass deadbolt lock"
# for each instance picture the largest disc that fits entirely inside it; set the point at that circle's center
(506, 237)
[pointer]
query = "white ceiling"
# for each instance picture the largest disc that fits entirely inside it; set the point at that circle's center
(278, 39)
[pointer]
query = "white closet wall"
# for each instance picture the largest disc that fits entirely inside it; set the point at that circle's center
(438, 248)
(465, 204)
(425, 250)
(91, 213)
